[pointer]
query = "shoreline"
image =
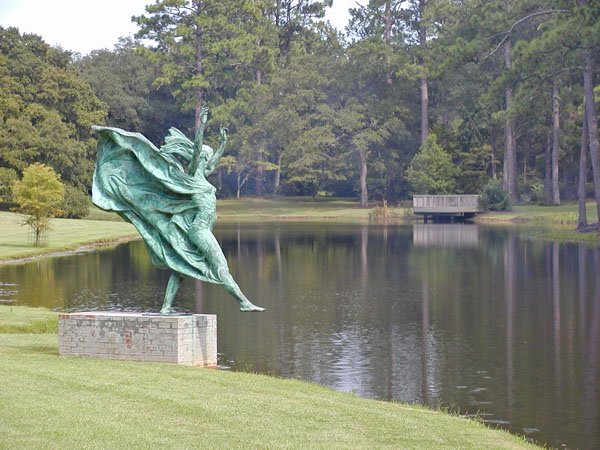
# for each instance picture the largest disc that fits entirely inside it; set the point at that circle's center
(85, 247)
(549, 232)
(545, 223)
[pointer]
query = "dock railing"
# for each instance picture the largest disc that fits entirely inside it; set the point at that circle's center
(446, 204)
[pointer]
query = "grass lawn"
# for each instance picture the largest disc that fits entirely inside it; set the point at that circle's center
(284, 208)
(556, 223)
(53, 402)
(291, 208)
(23, 319)
(555, 214)
(66, 234)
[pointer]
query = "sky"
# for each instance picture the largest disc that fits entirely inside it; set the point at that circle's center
(85, 25)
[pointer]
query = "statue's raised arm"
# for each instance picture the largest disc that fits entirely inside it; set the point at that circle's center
(198, 142)
(214, 161)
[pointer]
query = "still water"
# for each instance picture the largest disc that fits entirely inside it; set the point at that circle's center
(467, 317)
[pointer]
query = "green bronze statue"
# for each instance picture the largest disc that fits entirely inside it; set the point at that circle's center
(174, 210)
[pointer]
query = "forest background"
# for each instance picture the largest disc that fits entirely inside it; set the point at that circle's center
(418, 96)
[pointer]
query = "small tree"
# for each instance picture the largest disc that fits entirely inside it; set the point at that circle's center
(431, 170)
(38, 194)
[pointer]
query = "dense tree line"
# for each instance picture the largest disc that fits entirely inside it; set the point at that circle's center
(418, 95)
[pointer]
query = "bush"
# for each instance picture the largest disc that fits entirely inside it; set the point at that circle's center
(494, 198)
(431, 170)
(75, 204)
(384, 212)
(539, 195)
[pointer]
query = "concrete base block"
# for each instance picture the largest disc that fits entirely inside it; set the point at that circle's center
(189, 339)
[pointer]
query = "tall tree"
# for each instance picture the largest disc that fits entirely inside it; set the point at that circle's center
(582, 222)
(378, 73)
(199, 43)
(510, 145)
(46, 109)
(123, 79)
(423, 80)
(294, 17)
(555, 142)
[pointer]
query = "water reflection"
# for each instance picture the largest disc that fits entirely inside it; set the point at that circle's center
(446, 235)
(480, 322)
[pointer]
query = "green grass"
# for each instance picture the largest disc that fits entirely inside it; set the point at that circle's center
(554, 223)
(99, 214)
(53, 402)
(22, 319)
(66, 234)
(565, 213)
(291, 208)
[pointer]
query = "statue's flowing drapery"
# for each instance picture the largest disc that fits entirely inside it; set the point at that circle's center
(149, 188)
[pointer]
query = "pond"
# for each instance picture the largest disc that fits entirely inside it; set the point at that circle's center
(463, 316)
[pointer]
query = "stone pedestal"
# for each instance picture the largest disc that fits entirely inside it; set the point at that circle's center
(189, 339)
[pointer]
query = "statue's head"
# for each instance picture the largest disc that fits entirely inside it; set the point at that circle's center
(207, 152)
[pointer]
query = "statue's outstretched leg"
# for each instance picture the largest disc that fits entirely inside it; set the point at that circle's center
(172, 288)
(232, 287)
(210, 248)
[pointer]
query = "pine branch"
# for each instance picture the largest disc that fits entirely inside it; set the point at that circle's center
(517, 23)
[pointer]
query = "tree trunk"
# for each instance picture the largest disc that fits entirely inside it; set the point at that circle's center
(568, 180)
(220, 178)
(424, 89)
(424, 111)
(388, 33)
(592, 121)
(548, 168)
(361, 157)
(493, 160)
(259, 174)
(239, 186)
(555, 146)
(277, 175)
(581, 191)
(510, 152)
(389, 189)
(198, 70)
(525, 153)
(259, 168)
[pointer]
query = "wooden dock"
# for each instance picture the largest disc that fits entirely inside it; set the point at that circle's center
(446, 206)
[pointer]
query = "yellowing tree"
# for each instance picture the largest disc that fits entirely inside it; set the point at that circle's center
(38, 194)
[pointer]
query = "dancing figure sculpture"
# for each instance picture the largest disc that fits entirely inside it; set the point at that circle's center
(173, 209)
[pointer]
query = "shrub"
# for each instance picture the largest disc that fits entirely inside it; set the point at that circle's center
(432, 170)
(538, 194)
(494, 198)
(75, 204)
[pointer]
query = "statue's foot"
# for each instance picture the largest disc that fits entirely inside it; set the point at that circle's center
(166, 310)
(248, 306)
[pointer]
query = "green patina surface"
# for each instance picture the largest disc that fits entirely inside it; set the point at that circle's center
(165, 195)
